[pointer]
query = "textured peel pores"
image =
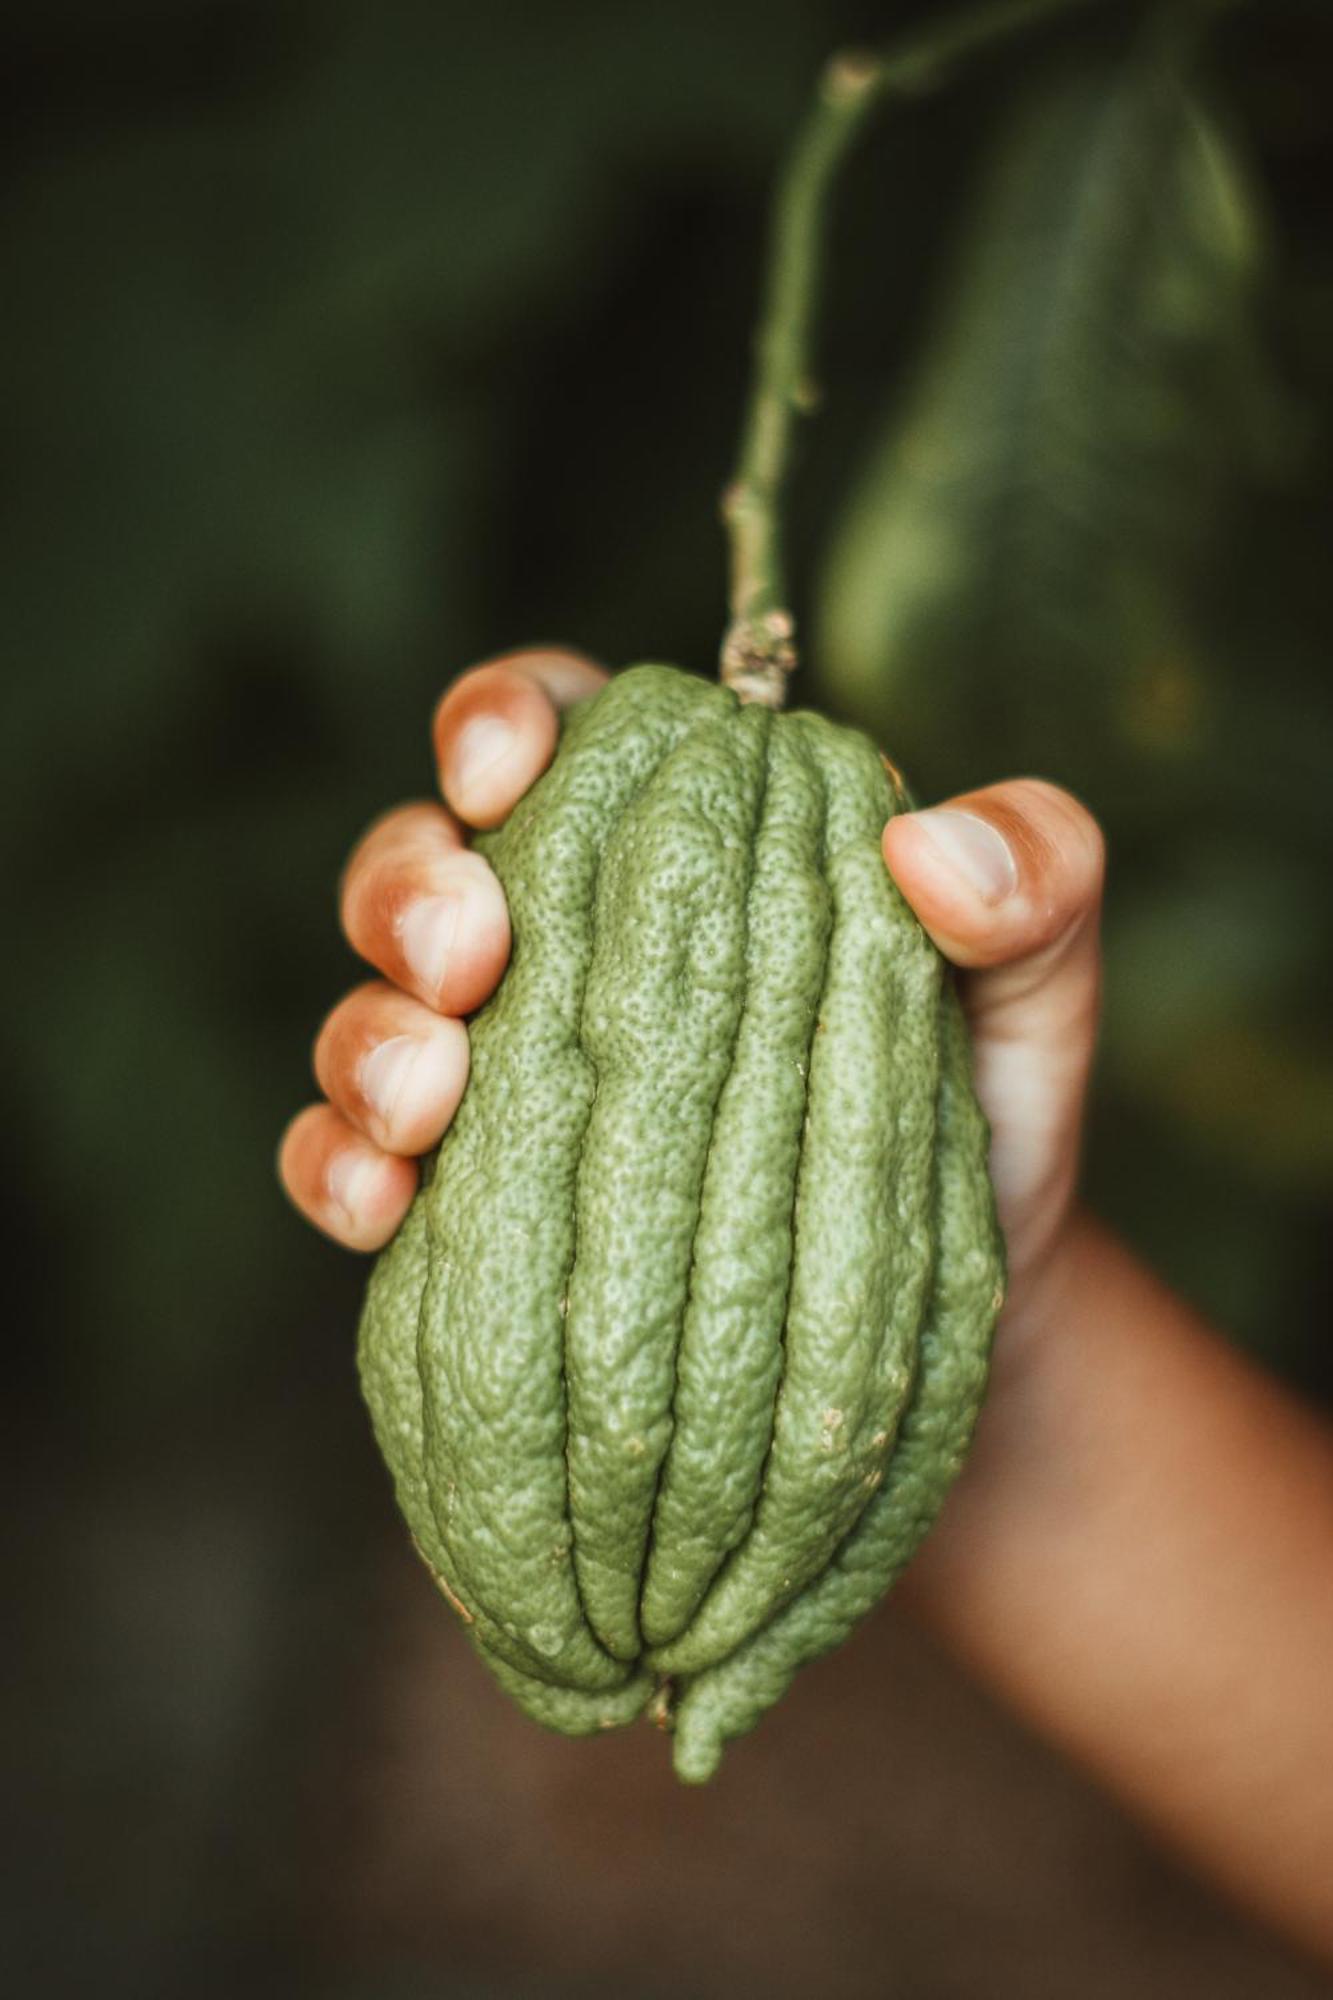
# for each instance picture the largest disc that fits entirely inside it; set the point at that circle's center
(682, 1341)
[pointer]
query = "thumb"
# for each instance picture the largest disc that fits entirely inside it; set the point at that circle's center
(1008, 883)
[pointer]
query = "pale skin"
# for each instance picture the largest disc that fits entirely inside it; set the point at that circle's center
(1139, 1556)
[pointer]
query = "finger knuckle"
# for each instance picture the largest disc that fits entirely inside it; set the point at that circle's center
(295, 1146)
(378, 885)
(494, 684)
(446, 706)
(1069, 832)
(397, 827)
(330, 1054)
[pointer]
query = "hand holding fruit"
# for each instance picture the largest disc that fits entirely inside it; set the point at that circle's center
(1136, 1487)
(1007, 882)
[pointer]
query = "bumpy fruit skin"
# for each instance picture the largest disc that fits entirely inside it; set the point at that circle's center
(682, 1341)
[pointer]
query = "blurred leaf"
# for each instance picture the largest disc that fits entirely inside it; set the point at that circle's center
(1089, 542)
(1016, 563)
(1205, 969)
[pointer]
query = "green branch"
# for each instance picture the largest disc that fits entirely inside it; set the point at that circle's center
(758, 651)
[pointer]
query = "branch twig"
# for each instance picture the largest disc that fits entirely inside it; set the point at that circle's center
(758, 651)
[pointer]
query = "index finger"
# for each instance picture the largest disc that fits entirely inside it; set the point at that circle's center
(495, 730)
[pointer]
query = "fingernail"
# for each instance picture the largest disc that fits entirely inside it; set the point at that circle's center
(482, 744)
(385, 1073)
(973, 849)
(427, 933)
(350, 1177)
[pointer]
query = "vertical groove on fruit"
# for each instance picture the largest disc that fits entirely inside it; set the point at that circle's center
(662, 1004)
(932, 1442)
(731, 1343)
(501, 1216)
(864, 1178)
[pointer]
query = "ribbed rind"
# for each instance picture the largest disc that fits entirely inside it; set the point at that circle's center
(967, 1292)
(661, 1011)
(861, 1236)
(682, 1341)
(731, 1348)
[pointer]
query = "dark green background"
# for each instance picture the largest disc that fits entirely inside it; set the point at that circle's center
(343, 344)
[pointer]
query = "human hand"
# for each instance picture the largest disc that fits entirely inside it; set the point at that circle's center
(1008, 883)
(1139, 1486)
(1006, 880)
(429, 915)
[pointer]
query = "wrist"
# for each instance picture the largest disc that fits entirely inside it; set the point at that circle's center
(1040, 1296)
(1041, 1304)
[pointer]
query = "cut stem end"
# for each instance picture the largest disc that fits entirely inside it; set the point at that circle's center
(759, 657)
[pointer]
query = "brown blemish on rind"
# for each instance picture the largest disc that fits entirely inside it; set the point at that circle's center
(660, 1710)
(896, 779)
(443, 1587)
(830, 1424)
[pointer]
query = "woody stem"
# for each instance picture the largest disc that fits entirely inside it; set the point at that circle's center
(758, 650)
